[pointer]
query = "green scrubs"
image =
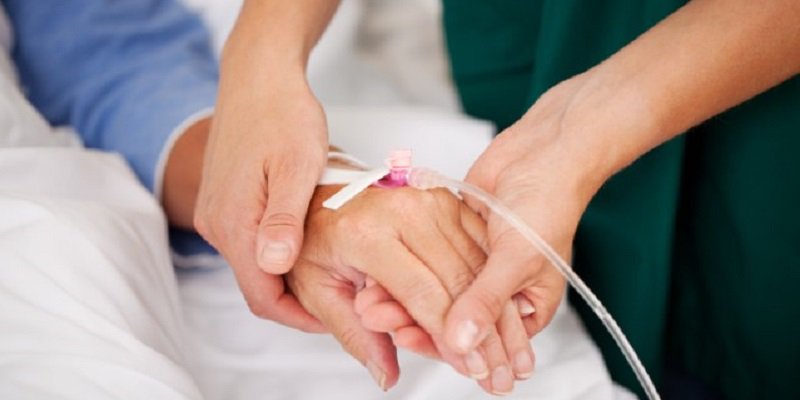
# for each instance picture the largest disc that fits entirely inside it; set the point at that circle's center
(695, 248)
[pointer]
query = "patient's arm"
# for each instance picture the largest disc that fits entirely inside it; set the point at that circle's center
(423, 247)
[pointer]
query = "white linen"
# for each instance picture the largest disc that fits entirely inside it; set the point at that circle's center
(89, 307)
(240, 357)
(88, 301)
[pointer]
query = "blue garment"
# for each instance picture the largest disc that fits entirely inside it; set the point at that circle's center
(123, 73)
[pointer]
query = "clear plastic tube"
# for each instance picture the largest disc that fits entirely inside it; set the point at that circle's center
(423, 178)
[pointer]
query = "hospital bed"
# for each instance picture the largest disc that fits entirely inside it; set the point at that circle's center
(66, 213)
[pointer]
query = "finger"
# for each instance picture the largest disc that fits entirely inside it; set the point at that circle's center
(370, 295)
(410, 282)
(531, 326)
(475, 312)
(333, 305)
(415, 286)
(266, 294)
(524, 306)
(439, 255)
(386, 317)
(543, 302)
(414, 338)
(280, 232)
(474, 226)
(500, 379)
(515, 339)
(491, 362)
(464, 236)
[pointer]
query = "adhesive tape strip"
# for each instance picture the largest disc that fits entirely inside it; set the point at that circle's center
(355, 187)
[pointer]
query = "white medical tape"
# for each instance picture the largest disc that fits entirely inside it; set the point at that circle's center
(347, 158)
(355, 187)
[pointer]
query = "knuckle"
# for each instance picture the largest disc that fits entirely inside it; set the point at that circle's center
(359, 227)
(348, 338)
(489, 302)
(429, 300)
(402, 199)
(282, 219)
(445, 198)
(259, 309)
(461, 281)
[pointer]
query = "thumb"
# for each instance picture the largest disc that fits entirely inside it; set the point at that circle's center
(477, 310)
(374, 350)
(280, 233)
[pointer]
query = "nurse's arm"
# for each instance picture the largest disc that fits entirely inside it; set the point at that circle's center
(706, 57)
(266, 150)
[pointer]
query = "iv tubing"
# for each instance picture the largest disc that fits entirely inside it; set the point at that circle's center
(422, 178)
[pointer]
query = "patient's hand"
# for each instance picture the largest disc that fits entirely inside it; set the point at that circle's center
(423, 247)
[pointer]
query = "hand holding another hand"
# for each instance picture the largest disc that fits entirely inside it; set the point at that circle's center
(264, 156)
(424, 248)
(543, 170)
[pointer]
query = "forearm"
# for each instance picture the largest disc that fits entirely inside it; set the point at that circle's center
(276, 35)
(707, 57)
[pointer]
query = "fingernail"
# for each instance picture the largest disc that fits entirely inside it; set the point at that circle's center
(276, 253)
(466, 335)
(476, 366)
(502, 382)
(525, 307)
(523, 365)
(377, 375)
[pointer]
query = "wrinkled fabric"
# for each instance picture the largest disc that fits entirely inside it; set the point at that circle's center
(124, 74)
(693, 248)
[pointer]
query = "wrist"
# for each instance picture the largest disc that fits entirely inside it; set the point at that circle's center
(182, 174)
(607, 124)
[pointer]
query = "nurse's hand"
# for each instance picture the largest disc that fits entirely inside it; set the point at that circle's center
(423, 247)
(265, 153)
(531, 168)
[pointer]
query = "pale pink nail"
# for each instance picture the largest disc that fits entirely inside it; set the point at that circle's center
(377, 375)
(476, 365)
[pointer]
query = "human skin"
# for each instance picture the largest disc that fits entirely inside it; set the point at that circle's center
(705, 58)
(708, 56)
(434, 242)
(423, 247)
(719, 54)
(265, 153)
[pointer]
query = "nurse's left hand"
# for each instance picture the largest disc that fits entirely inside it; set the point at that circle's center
(542, 170)
(423, 247)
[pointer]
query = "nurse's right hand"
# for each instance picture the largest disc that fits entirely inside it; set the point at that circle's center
(263, 158)
(266, 151)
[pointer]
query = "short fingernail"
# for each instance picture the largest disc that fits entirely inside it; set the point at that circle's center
(377, 375)
(466, 335)
(525, 307)
(502, 381)
(276, 253)
(523, 365)
(476, 366)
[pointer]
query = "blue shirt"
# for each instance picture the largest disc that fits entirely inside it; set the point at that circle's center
(123, 73)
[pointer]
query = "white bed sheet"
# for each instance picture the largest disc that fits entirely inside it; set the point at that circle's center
(90, 308)
(381, 73)
(240, 357)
